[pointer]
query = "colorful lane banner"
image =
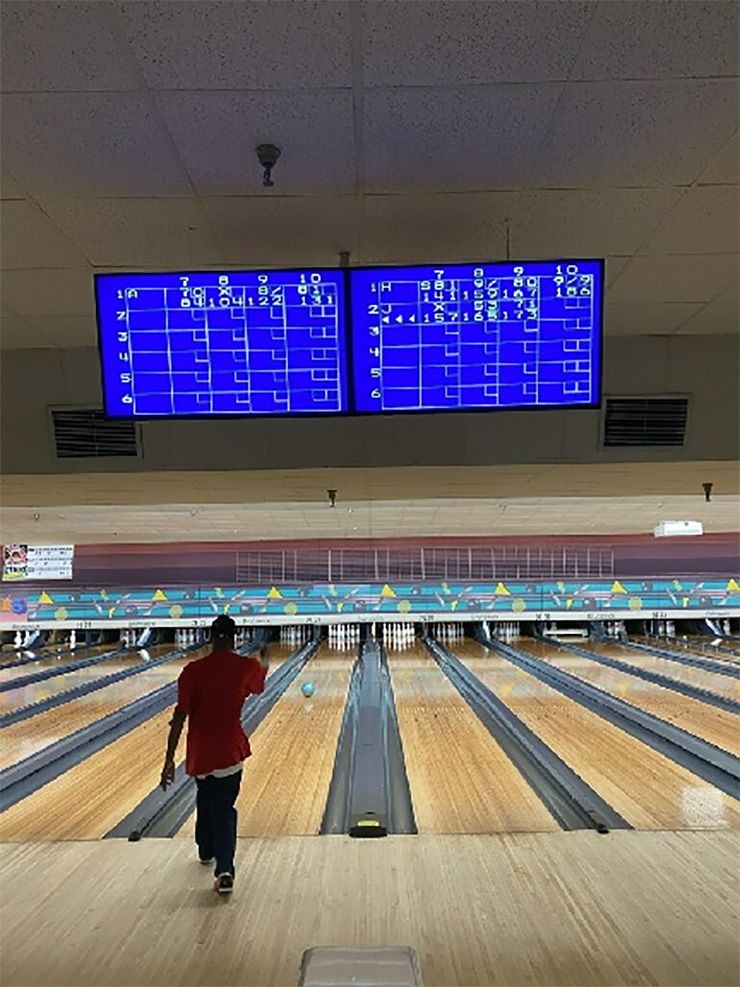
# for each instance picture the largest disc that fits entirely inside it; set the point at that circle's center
(37, 562)
(527, 600)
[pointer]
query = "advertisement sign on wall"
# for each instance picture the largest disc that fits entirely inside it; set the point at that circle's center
(37, 562)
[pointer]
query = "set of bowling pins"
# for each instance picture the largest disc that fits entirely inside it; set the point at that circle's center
(21, 639)
(616, 628)
(398, 636)
(502, 630)
(449, 632)
(663, 627)
(185, 637)
(343, 636)
(295, 634)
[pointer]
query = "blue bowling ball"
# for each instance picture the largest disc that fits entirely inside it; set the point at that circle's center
(307, 689)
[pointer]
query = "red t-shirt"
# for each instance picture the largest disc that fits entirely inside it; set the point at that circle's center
(211, 692)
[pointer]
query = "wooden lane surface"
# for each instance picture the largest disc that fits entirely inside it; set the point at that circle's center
(461, 780)
(89, 799)
(20, 740)
(541, 909)
(718, 726)
(721, 685)
(286, 780)
(648, 789)
(38, 691)
(53, 661)
(691, 647)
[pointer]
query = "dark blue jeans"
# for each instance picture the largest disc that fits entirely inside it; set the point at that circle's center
(215, 820)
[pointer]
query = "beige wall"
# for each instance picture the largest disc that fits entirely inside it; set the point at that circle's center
(703, 367)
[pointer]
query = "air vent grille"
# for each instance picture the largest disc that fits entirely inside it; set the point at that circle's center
(645, 421)
(84, 433)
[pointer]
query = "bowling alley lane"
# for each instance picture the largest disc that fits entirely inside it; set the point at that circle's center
(648, 789)
(20, 740)
(286, 780)
(718, 726)
(697, 647)
(55, 660)
(38, 691)
(461, 781)
(721, 685)
(90, 799)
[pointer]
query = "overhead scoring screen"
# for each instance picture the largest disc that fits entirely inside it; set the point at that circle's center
(445, 337)
(237, 343)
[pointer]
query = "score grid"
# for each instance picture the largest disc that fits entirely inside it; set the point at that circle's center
(239, 343)
(363, 340)
(477, 336)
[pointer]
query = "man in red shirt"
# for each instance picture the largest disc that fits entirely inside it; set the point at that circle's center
(211, 692)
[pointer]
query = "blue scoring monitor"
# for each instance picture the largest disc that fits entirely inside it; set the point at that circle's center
(477, 336)
(236, 343)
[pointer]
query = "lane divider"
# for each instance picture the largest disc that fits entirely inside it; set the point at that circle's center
(50, 673)
(571, 801)
(665, 681)
(714, 765)
(33, 709)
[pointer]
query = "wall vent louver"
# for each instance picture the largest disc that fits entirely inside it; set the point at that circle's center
(645, 421)
(86, 432)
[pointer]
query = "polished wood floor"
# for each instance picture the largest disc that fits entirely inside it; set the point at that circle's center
(541, 909)
(718, 726)
(461, 781)
(647, 788)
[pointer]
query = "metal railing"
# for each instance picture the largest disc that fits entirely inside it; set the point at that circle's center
(419, 564)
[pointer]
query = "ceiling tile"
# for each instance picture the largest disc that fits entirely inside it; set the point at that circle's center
(675, 278)
(60, 144)
(587, 223)
(614, 267)
(725, 165)
(9, 187)
(455, 42)
(704, 220)
(636, 40)
(245, 45)
(714, 319)
(314, 131)
(60, 46)
(627, 133)
(136, 233)
(49, 292)
(731, 294)
(29, 239)
(646, 318)
(66, 332)
(283, 231)
(454, 139)
(17, 334)
(434, 228)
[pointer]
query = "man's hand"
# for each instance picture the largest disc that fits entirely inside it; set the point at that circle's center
(168, 773)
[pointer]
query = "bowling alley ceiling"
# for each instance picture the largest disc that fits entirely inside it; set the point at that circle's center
(499, 501)
(410, 131)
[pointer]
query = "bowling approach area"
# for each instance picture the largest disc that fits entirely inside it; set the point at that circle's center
(485, 872)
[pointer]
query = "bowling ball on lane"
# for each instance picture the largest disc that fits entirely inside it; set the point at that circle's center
(307, 689)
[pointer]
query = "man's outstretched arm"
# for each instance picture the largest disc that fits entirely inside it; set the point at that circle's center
(168, 771)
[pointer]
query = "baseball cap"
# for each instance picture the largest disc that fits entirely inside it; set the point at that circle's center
(223, 626)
